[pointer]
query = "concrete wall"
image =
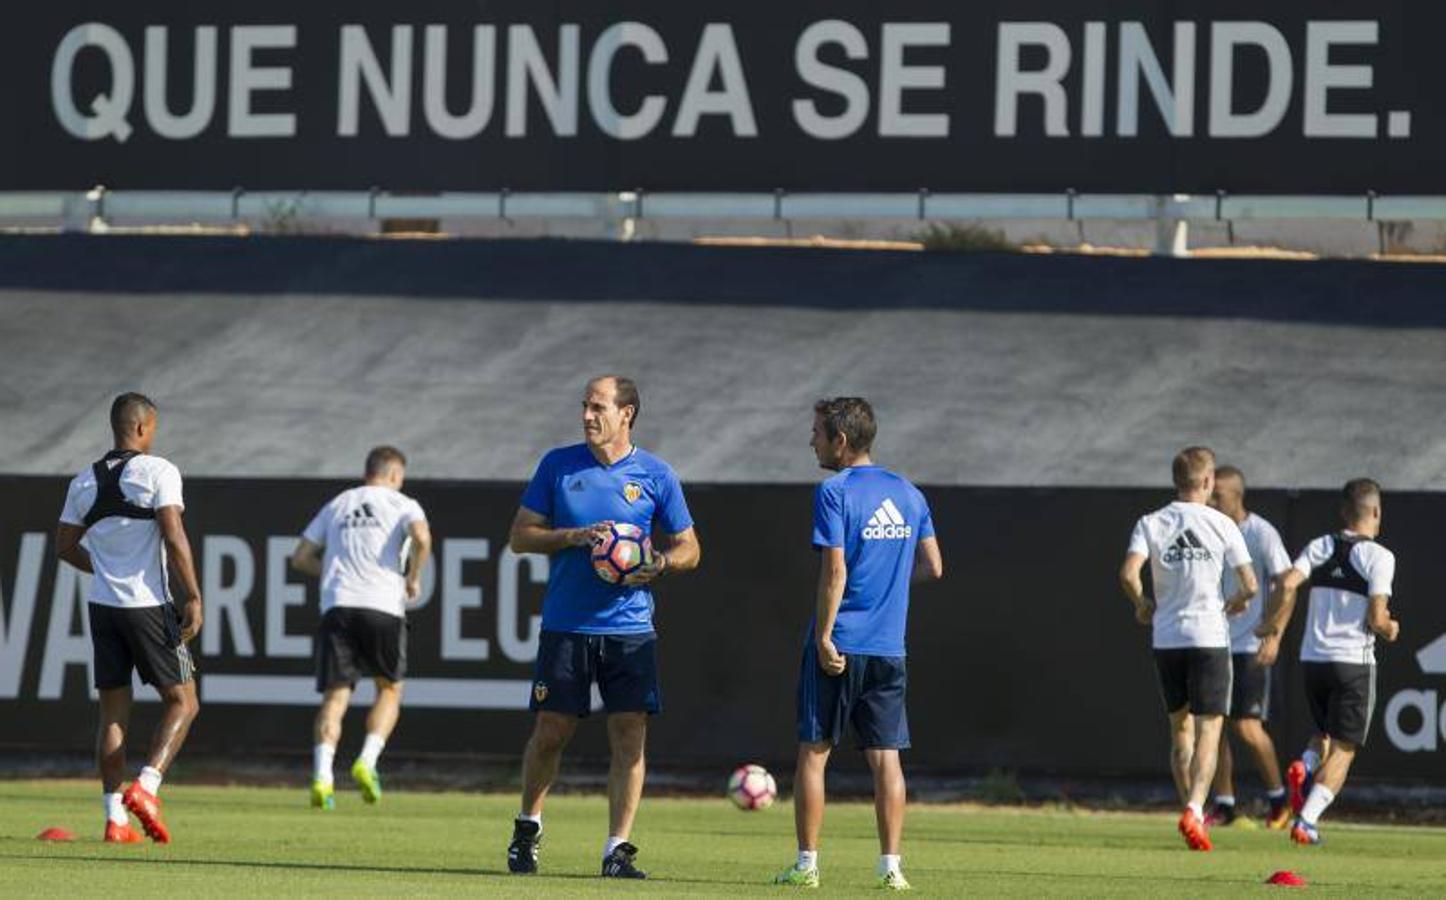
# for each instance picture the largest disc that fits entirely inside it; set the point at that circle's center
(293, 356)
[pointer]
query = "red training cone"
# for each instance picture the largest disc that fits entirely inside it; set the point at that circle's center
(1286, 878)
(56, 834)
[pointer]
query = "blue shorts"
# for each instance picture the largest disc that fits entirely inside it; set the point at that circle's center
(624, 666)
(869, 695)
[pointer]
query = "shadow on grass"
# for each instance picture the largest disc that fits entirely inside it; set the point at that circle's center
(339, 867)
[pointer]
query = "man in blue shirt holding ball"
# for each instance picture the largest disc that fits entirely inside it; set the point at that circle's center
(594, 631)
(875, 536)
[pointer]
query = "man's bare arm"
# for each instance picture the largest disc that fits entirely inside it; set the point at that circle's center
(306, 558)
(68, 548)
(1245, 577)
(417, 556)
(1277, 616)
(178, 554)
(533, 533)
(682, 550)
(671, 553)
(928, 561)
(1281, 605)
(832, 578)
(1378, 619)
(1134, 587)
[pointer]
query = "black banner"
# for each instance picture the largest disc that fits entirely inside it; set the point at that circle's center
(845, 95)
(1026, 643)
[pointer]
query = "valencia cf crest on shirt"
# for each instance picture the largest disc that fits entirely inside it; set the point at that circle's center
(539, 691)
(632, 491)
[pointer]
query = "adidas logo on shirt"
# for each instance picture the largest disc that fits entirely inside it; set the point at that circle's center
(1187, 547)
(887, 523)
(362, 517)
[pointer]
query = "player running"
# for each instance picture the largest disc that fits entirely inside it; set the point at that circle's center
(1188, 545)
(1250, 692)
(127, 508)
(594, 632)
(368, 546)
(1350, 577)
(875, 536)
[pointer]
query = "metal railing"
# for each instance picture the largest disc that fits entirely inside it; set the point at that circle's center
(96, 209)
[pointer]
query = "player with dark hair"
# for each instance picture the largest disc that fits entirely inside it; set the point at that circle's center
(875, 536)
(126, 508)
(594, 632)
(1250, 681)
(368, 546)
(1350, 577)
(1189, 545)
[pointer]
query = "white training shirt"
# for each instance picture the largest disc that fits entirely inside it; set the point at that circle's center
(364, 531)
(128, 555)
(1189, 545)
(1269, 559)
(1335, 629)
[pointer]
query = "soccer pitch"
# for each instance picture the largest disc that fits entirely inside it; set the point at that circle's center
(266, 841)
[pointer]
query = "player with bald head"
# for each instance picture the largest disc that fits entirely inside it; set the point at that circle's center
(1350, 575)
(1189, 546)
(122, 523)
(595, 632)
(1250, 681)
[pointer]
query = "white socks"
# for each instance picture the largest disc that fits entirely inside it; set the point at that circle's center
(371, 750)
(322, 757)
(1225, 799)
(611, 844)
(888, 862)
(150, 780)
(115, 810)
(1198, 810)
(526, 818)
(1276, 794)
(1320, 797)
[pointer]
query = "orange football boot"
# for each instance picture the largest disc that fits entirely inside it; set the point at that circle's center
(1194, 831)
(116, 833)
(146, 807)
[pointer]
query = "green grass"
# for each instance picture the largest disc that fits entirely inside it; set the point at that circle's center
(265, 842)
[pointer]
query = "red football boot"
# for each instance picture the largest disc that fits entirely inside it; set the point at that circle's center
(1296, 777)
(146, 807)
(121, 834)
(1194, 831)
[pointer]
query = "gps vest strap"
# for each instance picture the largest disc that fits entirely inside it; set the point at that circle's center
(109, 500)
(1338, 571)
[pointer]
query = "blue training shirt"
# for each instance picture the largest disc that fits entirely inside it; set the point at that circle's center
(878, 518)
(572, 489)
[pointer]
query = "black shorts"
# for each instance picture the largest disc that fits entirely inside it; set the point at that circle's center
(869, 695)
(1341, 697)
(1250, 688)
(624, 667)
(353, 643)
(1198, 677)
(146, 639)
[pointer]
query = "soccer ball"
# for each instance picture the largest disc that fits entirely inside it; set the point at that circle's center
(751, 787)
(626, 549)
